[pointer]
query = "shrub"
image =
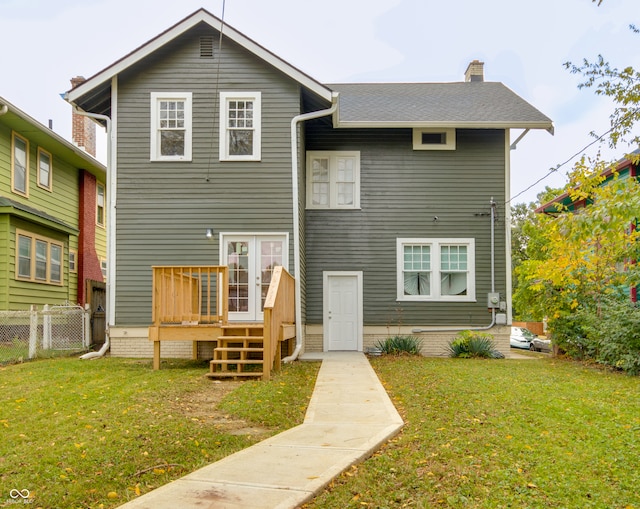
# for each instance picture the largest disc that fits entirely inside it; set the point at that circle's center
(397, 345)
(473, 344)
(609, 335)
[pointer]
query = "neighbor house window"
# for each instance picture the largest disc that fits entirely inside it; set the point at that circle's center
(333, 180)
(73, 266)
(436, 269)
(39, 258)
(240, 126)
(19, 164)
(103, 268)
(434, 139)
(171, 126)
(100, 204)
(44, 169)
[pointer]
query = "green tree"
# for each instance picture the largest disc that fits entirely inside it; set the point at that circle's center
(586, 255)
(527, 244)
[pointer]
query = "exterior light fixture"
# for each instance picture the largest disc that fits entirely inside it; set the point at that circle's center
(209, 233)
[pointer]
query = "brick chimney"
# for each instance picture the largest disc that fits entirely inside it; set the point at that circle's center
(83, 129)
(475, 71)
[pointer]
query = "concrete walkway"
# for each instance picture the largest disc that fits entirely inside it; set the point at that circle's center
(349, 417)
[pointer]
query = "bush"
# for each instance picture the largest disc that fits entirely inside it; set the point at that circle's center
(397, 345)
(609, 336)
(472, 344)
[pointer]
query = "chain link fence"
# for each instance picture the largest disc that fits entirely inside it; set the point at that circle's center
(47, 332)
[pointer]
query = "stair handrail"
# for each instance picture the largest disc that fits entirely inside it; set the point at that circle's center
(279, 309)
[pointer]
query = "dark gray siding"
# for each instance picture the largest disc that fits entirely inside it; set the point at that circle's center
(163, 208)
(401, 192)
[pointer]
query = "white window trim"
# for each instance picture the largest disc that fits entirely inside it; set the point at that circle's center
(332, 155)
(450, 137)
(435, 244)
(156, 97)
(256, 97)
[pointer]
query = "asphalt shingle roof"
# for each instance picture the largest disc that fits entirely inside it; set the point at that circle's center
(483, 103)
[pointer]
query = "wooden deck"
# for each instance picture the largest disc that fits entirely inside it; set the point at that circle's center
(190, 304)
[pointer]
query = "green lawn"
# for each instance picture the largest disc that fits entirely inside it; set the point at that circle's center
(94, 434)
(538, 433)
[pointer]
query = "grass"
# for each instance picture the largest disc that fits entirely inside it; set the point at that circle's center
(540, 433)
(94, 434)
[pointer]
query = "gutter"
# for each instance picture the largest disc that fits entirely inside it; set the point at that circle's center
(493, 286)
(296, 214)
(111, 180)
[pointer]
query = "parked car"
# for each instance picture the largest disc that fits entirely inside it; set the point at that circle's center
(539, 344)
(521, 338)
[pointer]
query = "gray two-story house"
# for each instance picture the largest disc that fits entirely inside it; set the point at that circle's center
(384, 203)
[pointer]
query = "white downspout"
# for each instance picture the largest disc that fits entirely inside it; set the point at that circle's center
(296, 214)
(4, 109)
(111, 180)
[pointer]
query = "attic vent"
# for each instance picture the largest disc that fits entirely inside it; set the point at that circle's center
(434, 139)
(206, 47)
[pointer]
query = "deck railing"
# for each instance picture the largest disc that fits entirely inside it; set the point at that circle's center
(279, 310)
(190, 294)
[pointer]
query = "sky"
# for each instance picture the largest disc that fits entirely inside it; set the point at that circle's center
(523, 43)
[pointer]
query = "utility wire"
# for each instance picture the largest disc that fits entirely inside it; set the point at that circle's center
(554, 170)
(216, 100)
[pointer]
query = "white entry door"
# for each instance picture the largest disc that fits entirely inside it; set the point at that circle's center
(251, 260)
(342, 328)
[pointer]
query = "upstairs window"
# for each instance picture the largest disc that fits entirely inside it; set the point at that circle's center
(436, 269)
(171, 126)
(333, 180)
(100, 205)
(44, 169)
(240, 126)
(19, 165)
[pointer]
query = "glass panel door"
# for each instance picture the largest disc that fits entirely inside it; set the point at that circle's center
(251, 260)
(238, 263)
(270, 258)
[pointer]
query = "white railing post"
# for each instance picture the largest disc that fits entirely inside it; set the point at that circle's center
(47, 341)
(33, 331)
(86, 329)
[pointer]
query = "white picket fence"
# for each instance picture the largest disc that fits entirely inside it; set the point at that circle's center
(46, 332)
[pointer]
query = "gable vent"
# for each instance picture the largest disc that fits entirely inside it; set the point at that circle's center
(206, 47)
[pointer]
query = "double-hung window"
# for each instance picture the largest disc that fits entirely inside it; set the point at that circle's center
(240, 126)
(171, 129)
(436, 269)
(100, 205)
(39, 258)
(333, 180)
(44, 169)
(19, 165)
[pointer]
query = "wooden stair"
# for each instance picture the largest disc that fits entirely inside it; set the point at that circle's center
(239, 352)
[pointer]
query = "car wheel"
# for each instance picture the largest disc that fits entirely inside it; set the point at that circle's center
(531, 347)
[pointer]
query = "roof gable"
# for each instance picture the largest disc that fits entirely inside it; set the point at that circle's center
(101, 80)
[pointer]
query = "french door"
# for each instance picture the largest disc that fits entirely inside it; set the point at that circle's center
(251, 260)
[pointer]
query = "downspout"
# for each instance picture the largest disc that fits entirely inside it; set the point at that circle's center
(111, 180)
(4, 109)
(296, 215)
(492, 203)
